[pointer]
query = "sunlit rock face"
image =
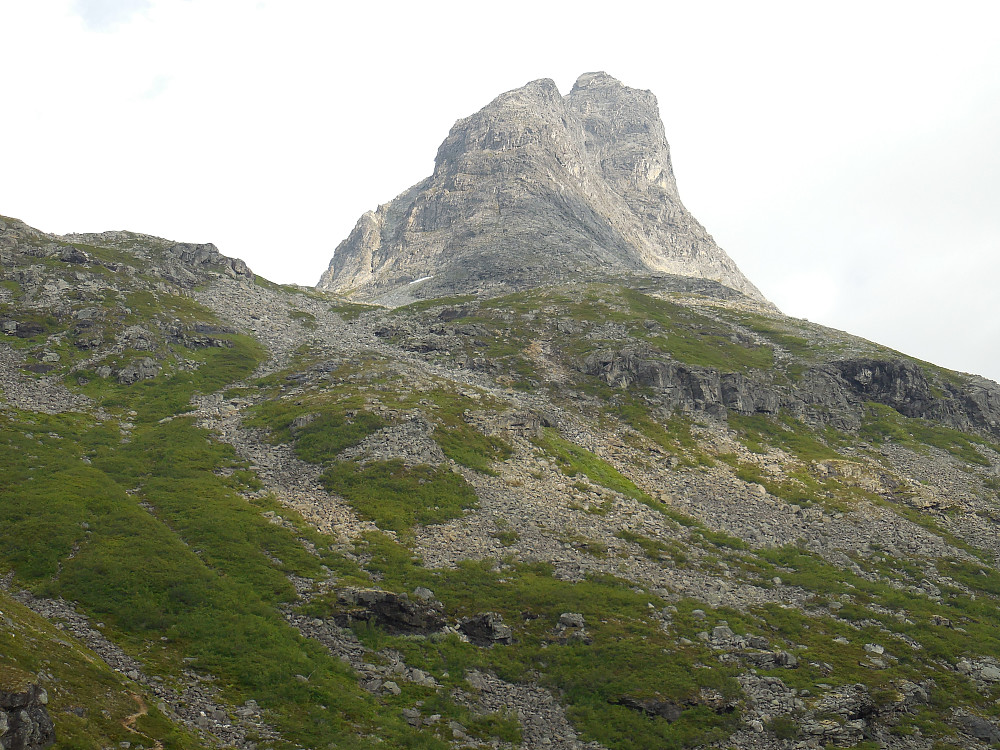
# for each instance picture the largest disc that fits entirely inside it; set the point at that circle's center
(536, 187)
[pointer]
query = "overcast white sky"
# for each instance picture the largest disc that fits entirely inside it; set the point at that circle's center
(846, 155)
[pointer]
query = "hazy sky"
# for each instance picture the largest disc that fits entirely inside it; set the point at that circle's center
(846, 155)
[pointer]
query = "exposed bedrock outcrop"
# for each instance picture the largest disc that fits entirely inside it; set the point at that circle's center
(833, 393)
(395, 612)
(24, 719)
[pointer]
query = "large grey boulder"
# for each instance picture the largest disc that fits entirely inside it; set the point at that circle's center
(486, 629)
(397, 613)
(24, 719)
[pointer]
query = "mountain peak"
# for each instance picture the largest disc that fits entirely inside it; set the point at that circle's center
(536, 188)
(597, 79)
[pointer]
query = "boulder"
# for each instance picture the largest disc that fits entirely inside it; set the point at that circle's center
(571, 620)
(486, 629)
(395, 612)
(139, 369)
(24, 718)
(660, 709)
(978, 727)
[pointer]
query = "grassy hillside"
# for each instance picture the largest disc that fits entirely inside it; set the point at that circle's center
(686, 521)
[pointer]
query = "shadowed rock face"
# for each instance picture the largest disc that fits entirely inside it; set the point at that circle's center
(841, 389)
(535, 187)
(24, 720)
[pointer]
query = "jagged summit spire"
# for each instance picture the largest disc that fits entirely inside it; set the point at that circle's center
(533, 188)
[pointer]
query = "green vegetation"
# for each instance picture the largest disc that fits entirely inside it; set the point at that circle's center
(307, 319)
(574, 461)
(629, 656)
(504, 533)
(785, 333)
(694, 338)
(524, 330)
(883, 423)
(584, 544)
(160, 532)
(458, 439)
(719, 539)
(352, 310)
(796, 486)
(167, 395)
(146, 305)
(397, 497)
(672, 434)
(468, 447)
(148, 538)
(429, 304)
(783, 727)
(339, 417)
(760, 433)
(880, 610)
(88, 702)
(147, 528)
(332, 432)
(656, 549)
(322, 437)
(799, 484)
(683, 333)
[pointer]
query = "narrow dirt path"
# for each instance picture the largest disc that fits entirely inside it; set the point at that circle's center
(129, 721)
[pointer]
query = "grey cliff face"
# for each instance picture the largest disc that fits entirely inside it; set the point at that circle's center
(535, 188)
(24, 719)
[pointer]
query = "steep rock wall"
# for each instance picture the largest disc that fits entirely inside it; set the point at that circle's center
(534, 188)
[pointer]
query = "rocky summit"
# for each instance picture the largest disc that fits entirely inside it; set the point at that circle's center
(623, 507)
(535, 188)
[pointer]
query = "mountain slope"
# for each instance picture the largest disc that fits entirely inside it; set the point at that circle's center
(535, 188)
(610, 513)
